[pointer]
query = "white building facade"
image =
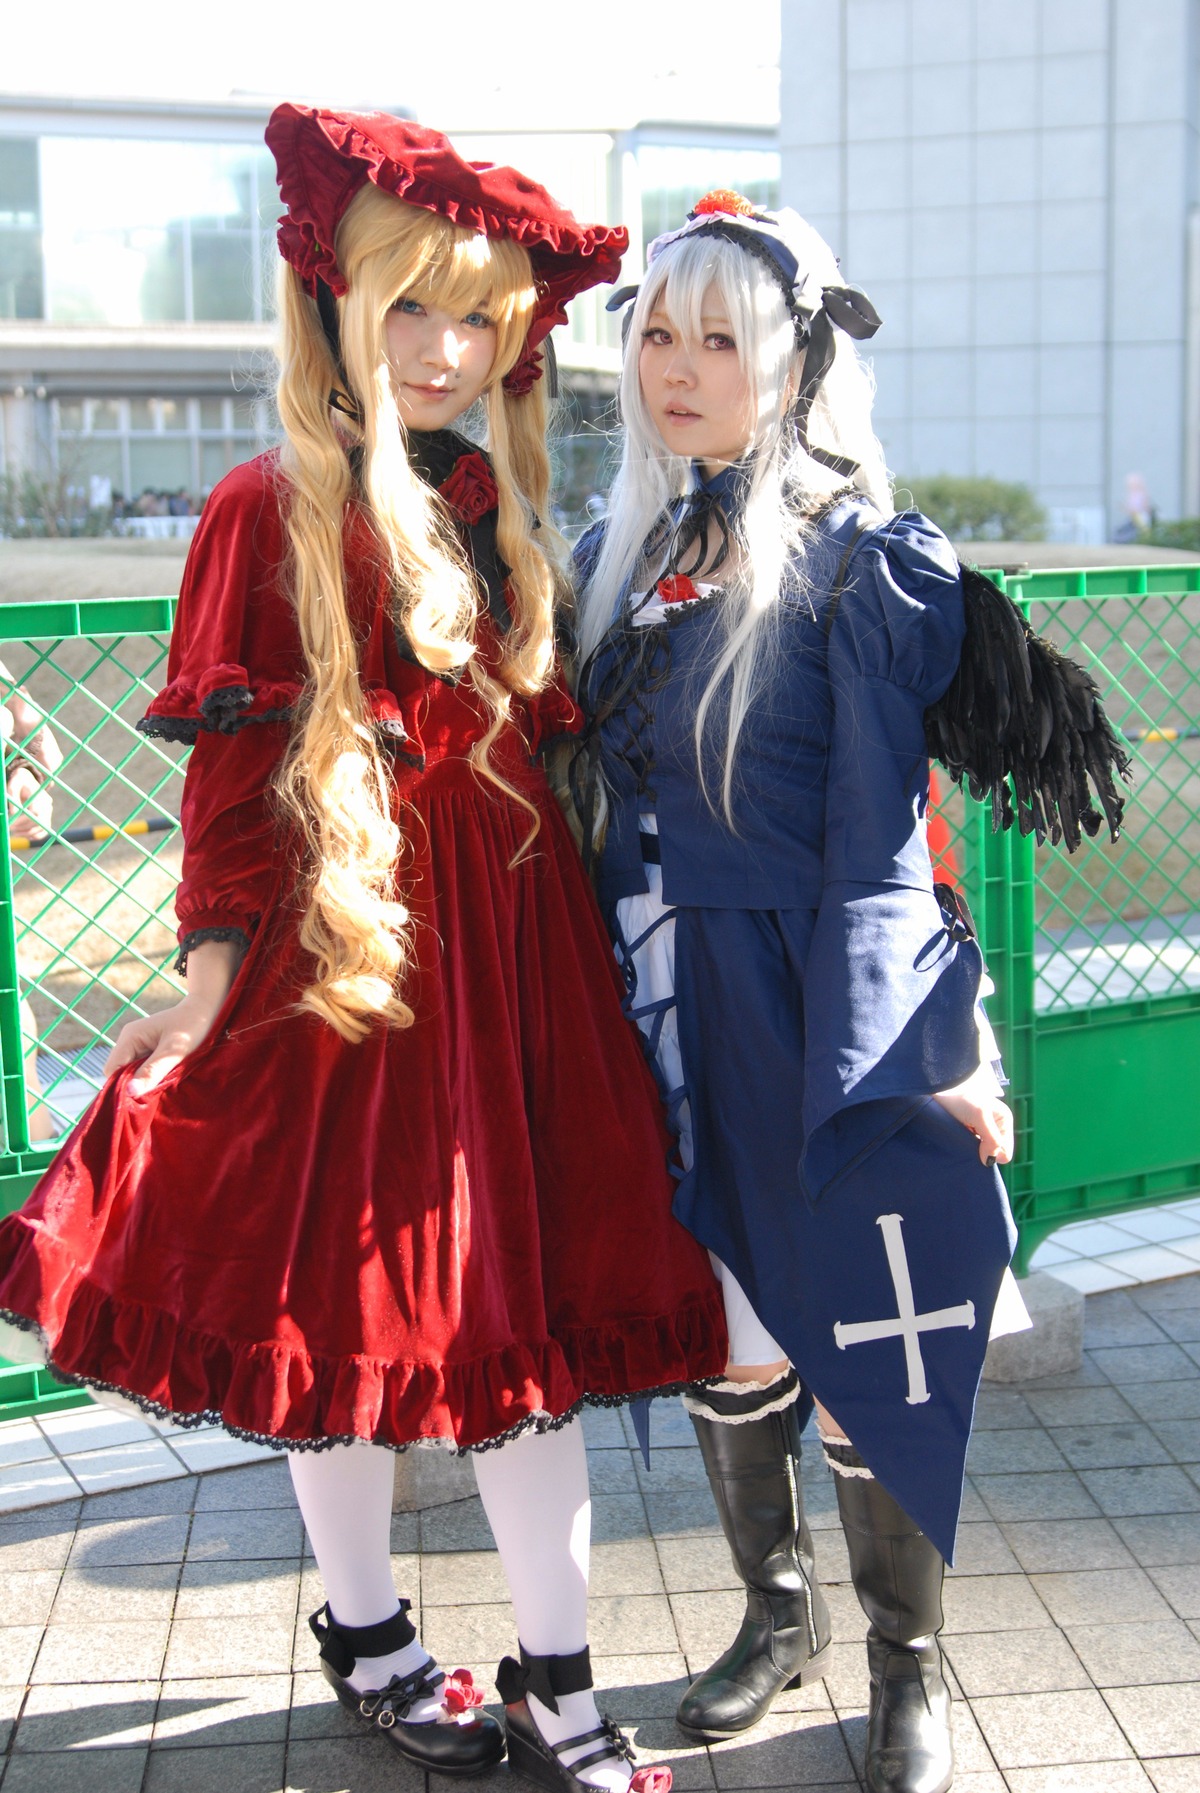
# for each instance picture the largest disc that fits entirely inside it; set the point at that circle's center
(1014, 182)
(136, 262)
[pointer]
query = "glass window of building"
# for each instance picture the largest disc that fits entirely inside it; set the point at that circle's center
(21, 292)
(171, 451)
(140, 232)
(674, 177)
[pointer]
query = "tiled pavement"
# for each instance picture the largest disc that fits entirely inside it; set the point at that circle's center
(153, 1639)
(95, 1450)
(1135, 1246)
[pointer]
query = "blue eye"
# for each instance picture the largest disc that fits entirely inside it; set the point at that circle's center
(411, 308)
(477, 320)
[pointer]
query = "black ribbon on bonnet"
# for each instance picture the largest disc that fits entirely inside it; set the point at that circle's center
(327, 312)
(841, 308)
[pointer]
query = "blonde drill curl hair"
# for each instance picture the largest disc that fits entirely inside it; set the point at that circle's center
(334, 785)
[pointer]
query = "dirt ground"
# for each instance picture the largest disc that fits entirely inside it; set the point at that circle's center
(33, 572)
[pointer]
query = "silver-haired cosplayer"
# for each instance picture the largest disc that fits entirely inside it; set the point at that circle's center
(769, 654)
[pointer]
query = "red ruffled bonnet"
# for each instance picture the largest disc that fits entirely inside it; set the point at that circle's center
(324, 157)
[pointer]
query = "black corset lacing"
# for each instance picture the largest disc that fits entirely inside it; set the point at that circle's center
(621, 676)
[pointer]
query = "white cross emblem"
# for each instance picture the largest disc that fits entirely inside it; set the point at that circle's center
(908, 1324)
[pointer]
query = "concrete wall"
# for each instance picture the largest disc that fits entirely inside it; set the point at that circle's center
(1012, 184)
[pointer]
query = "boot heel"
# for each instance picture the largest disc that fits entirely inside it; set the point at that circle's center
(813, 1669)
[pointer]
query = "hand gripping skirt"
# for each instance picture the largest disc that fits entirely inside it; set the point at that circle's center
(454, 1232)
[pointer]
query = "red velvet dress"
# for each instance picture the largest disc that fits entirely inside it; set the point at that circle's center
(451, 1231)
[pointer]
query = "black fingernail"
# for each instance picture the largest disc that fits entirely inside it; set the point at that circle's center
(991, 1161)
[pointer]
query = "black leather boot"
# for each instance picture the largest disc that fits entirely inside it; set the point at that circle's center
(754, 1472)
(897, 1576)
(470, 1745)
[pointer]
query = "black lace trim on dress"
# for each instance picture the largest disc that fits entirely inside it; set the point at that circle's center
(198, 936)
(222, 713)
(535, 1422)
(188, 729)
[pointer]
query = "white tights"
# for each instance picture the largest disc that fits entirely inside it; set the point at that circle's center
(345, 1497)
(535, 1494)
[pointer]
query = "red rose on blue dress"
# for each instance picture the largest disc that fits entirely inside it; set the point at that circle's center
(677, 589)
(471, 490)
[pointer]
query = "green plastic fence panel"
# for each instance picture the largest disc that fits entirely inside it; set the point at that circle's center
(1096, 955)
(86, 924)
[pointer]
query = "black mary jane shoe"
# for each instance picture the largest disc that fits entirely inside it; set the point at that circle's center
(529, 1753)
(467, 1742)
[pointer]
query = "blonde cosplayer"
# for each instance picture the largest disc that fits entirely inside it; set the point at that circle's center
(334, 784)
(785, 483)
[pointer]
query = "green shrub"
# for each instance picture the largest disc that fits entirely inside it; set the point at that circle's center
(977, 510)
(51, 504)
(1185, 533)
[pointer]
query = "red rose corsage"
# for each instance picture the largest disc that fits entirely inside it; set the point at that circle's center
(459, 1692)
(471, 490)
(677, 589)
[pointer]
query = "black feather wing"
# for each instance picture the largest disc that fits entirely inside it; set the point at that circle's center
(1021, 721)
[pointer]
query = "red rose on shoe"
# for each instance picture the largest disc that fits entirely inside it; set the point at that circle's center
(459, 1692)
(678, 589)
(471, 490)
(652, 1780)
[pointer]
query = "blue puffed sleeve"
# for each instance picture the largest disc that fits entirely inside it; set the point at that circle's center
(891, 992)
(894, 642)
(901, 615)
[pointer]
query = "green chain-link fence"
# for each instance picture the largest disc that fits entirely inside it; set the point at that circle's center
(1096, 958)
(86, 917)
(1096, 955)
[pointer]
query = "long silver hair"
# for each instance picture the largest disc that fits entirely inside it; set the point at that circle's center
(785, 485)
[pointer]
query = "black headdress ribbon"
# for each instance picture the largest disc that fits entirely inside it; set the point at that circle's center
(841, 308)
(339, 398)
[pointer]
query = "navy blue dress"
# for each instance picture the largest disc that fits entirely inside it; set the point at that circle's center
(823, 991)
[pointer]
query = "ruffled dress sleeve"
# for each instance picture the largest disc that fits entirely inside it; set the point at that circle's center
(893, 978)
(235, 671)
